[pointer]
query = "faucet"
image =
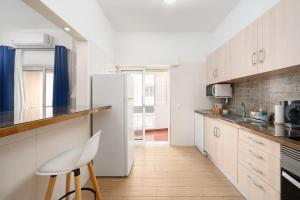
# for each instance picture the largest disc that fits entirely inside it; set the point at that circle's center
(244, 110)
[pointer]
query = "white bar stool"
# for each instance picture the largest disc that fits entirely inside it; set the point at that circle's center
(71, 161)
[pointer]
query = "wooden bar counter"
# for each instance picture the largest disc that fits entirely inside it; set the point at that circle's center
(16, 122)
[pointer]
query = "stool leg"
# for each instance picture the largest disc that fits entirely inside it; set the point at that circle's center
(94, 180)
(68, 184)
(50, 188)
(77, 184)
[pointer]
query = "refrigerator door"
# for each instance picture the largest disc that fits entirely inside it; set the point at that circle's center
(108, 89)
(129, 122)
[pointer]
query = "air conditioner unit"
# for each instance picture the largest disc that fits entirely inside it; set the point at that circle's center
(33, 40)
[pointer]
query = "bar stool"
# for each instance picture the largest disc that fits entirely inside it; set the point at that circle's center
(71, 161)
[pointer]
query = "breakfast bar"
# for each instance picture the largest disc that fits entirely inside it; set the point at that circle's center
(31, 137)
(23, 120)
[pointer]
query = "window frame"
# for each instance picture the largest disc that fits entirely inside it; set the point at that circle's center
(44, 70)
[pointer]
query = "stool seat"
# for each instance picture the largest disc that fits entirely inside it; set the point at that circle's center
(62, 163)
(69, 162)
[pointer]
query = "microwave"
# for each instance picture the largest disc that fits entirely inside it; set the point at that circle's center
(219, 91)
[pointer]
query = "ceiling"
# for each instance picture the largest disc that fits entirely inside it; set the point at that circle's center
(15, 14)
(156, 16)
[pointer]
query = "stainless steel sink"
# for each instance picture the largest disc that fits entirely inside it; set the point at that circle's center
(239, 119)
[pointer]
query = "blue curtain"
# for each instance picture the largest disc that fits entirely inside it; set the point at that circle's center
(7, 66)
(61, 77)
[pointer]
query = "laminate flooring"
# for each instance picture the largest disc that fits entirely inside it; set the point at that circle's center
(169, 173)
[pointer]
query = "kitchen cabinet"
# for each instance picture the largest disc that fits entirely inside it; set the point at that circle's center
(221, 146)
(210, 137)
(218, 65)
(270, 43)
(253, 188)
(261, 157)
(278, 36)
(244, 53)
(229, 151)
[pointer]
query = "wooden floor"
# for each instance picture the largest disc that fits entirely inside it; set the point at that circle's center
(168, 173)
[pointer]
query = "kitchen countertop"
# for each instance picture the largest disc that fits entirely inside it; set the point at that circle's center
(15, 122)
(278, 133)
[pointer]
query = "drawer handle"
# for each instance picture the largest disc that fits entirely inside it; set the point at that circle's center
(255, 155)
(257, 185)
(255, 169)
(254, 140)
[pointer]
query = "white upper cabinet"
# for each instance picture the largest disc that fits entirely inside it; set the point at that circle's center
(243, 52)
(218, 65)
(278, 36)
(270, 43)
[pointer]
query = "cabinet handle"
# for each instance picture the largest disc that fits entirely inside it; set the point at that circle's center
(255, 169)
(255, 155)
(256, 184)
(256, 141)
(214, 73)
(218, 132)
(262, 55)
(254, 58)
(215, 131)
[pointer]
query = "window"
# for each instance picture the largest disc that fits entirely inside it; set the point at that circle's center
(149, 89)
(38, 87)
(161, 88)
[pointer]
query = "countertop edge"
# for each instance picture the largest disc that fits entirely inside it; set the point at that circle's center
(17, 129)
(280, 140)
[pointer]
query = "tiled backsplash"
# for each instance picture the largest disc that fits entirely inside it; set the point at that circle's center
(265, 92)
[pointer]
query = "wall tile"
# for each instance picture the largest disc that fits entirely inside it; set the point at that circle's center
(265, 92)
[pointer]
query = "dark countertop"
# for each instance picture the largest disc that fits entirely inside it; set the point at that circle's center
(278, 133)
(22, 120)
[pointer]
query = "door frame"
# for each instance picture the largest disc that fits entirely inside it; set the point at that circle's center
(144, 70)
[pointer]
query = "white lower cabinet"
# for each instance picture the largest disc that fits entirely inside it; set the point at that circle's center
(221, 145)
(250, 162)
(253, 188)
(259, 167)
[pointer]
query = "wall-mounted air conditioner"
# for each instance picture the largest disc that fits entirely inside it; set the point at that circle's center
(32, 40)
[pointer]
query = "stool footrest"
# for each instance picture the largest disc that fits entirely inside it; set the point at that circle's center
(83, 189)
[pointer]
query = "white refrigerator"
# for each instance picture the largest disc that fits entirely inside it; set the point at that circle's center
(116, 149)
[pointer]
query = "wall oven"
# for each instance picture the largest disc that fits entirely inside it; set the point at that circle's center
(290, 173)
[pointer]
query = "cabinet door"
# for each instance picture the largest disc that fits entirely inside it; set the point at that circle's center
(209, 138)
(230, 152)
(210, 69)
(218, 65)
(219, 146)
(223, 72)
(243, 52)
(279, 41)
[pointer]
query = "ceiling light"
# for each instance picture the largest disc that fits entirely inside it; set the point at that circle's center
(67, 29)
(170, 1)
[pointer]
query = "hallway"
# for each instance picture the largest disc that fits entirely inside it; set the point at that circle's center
(169, 173)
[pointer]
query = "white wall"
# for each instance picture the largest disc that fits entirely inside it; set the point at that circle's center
(242, 15)
(97, 54)
(188, 93)
(160, 48)
(187, 79)
(88, 18)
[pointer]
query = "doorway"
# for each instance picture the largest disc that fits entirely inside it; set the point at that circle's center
(151, 105)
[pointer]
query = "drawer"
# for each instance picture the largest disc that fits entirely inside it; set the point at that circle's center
(259, 157)
(253, 188)
(260, 143)
(270, 176)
